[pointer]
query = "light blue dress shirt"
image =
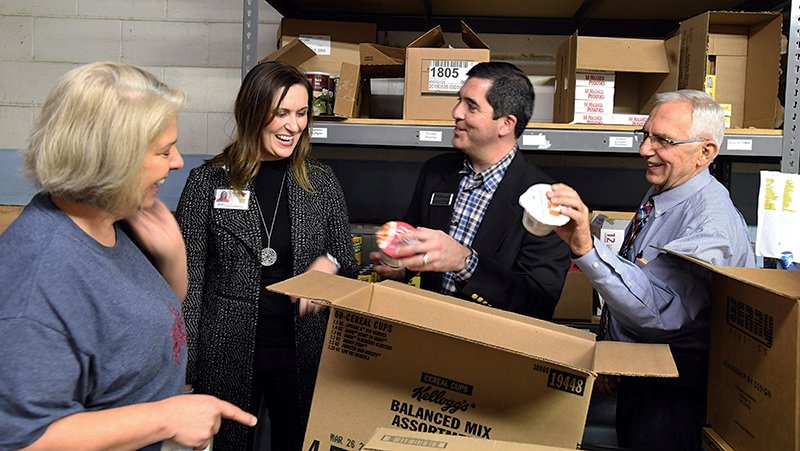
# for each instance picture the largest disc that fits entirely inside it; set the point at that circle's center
(661, 298)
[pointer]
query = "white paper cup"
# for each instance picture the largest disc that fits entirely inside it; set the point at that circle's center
(540, 216)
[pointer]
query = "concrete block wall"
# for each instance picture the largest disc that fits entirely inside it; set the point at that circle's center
(194, 45)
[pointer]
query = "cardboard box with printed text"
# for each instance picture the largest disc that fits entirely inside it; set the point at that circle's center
(389, 439)
(641, 68)
(333, 42)
(398, 356)
(754, 357)
(435, 74)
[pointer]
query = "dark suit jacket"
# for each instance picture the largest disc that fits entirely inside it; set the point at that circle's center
(516, 271)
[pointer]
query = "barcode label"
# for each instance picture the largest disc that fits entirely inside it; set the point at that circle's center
(447, 75)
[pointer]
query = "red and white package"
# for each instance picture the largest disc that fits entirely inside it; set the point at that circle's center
(389, 236)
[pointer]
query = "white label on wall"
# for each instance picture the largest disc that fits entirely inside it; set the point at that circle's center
(430, 136)
(319, 132)
(538, 140)
(447, 76)
(320, 44)
(740, 144)
(624, 142)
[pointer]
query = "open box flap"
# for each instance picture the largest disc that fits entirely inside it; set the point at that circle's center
(634, 359)
(629, 55)
(470, 38)
(294, 53)
(432, 38)
(781, 282)
(319, 286)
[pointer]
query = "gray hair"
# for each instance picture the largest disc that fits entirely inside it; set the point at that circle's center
(708, 119)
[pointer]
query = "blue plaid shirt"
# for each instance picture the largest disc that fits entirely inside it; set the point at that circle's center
(474, 195)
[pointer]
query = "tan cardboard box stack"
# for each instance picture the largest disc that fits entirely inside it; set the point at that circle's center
(329, 47)
(435, 74)
(754, 390)
(398, 356)
(388, 439)
(742, 52)
(636, 69)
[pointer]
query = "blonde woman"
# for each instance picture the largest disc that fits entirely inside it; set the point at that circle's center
(93, 271)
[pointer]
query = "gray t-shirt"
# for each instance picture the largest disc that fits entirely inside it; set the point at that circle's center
(83, 327)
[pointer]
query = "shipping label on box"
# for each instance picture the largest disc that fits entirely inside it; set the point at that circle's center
(390, 439)
(594, 106)
(447, 75)
(398, 356)
(594, 93)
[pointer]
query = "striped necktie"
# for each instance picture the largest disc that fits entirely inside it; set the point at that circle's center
(627, 252)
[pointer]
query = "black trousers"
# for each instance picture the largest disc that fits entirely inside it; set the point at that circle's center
(665, 413)
(275, 384)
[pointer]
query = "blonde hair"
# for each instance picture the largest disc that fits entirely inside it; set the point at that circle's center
(89, 143)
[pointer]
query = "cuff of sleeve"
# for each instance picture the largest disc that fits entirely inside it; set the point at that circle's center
(594, 264)
(470, 264)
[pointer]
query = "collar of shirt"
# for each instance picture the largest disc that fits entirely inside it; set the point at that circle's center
(490, 177)
(672, 197)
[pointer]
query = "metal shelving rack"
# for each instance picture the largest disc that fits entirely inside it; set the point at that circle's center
(744, 144)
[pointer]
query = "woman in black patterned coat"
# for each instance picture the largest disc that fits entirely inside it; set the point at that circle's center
(283, 214)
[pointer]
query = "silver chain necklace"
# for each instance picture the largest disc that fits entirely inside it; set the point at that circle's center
(268, 254)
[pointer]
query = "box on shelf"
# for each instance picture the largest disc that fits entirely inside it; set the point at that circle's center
(434, 74)
(332, 42)
(641, 67)
(389, 439)
(609, 227)
(754, 390)
(398, 356)
(744, 50)
(385, 66)
(348, 100)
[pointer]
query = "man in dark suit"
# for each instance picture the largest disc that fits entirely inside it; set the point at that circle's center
(470, 241)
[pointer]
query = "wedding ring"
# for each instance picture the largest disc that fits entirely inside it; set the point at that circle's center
(424, 259)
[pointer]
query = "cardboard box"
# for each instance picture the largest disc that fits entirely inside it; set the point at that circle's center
(609, 227)
(594, 106)
(332, 42)
(388, 439)
(713, 442)
(642, 68)
(398, 356)
(348, 89)
(576, 301)
(744, 49)
(382, 62)
(434, 75)
(754, 390)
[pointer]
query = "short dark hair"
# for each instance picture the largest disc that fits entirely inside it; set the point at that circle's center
(511, 91)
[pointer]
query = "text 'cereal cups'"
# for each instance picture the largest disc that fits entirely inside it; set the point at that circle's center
(388, 237)
(541, 216)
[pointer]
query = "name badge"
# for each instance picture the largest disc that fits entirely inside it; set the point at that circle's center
(228, 199)
(441, 199)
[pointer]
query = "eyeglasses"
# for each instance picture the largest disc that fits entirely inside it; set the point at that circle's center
(662, 141)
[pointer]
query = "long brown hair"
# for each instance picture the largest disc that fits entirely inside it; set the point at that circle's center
(263, 85)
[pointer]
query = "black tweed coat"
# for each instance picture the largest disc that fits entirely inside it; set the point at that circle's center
(221, 308)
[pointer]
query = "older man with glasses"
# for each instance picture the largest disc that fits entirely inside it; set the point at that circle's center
(652, 296)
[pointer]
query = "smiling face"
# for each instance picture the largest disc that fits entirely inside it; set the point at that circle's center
(161, 157)
(281, 135)
(475, 128)
(669, 166)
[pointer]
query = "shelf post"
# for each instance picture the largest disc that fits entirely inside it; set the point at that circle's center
(249, 35)
(790, 163)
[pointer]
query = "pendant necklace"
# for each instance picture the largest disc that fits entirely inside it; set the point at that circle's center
(268, 254)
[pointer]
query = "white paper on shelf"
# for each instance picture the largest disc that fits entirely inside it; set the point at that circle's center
(778, 215)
